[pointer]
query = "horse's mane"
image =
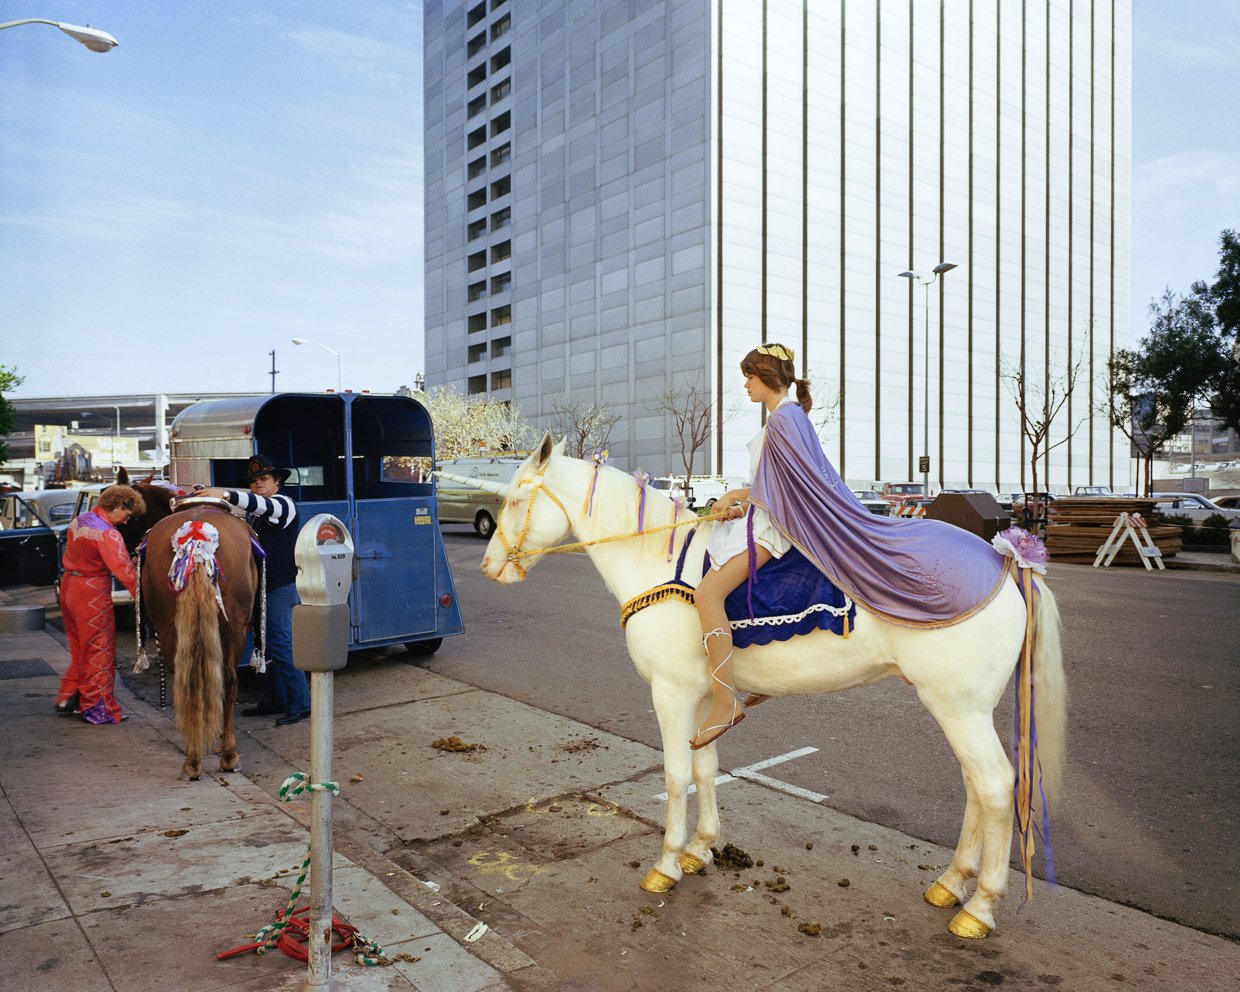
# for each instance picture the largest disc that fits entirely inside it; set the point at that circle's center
(616, 501)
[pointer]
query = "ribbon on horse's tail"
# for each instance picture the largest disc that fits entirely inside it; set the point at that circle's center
(1031, 556)
(194, 546)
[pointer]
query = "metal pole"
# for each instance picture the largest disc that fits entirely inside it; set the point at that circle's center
(925, 439)
(320, 951)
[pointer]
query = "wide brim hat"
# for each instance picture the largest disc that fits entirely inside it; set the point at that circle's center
(262, 465)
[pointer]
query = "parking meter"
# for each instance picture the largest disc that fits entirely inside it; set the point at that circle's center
(324, 556)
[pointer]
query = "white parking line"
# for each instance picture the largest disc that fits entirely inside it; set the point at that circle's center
(750, 774)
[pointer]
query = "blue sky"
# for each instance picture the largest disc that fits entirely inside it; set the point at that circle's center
(240, 173)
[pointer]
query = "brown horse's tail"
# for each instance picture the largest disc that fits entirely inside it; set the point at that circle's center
(198, 679)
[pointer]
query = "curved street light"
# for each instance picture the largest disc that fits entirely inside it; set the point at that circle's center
(325, 348)
(92, 38)
(911, 276)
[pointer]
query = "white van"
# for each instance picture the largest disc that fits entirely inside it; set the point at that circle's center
(459, 504)
(705, 489)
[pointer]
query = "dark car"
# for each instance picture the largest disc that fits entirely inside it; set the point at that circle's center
(30, 527)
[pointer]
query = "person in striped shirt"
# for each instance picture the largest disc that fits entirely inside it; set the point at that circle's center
(274, 519)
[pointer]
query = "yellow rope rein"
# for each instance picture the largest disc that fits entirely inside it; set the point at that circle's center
(515, 553)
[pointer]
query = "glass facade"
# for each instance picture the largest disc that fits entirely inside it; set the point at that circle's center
(648, 189)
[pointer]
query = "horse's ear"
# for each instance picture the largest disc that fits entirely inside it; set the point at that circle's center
(545, 451)
(560, 446)
(150, 477)
(122, 477)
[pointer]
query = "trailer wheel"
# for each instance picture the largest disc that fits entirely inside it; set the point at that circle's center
(710, 504)
(484, 524)
(426, 647)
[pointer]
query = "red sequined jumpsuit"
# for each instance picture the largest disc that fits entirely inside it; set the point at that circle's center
(94, 553)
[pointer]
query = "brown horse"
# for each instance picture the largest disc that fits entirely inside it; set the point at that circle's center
(158, 499)
(201, 627)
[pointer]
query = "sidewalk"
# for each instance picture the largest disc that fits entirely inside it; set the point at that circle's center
(119, 875)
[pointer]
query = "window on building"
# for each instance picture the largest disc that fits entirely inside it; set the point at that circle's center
(501, 123)
(477, 352)
(477, 229)
(477, 74)
(501, 251)
(501, 154)
(477, 260)
(501, 187)
(500, 347)
(478, 137)
(477, 167)
(477, 198)
(501, 218)
(501, 282)
(477, 290)
(476, 14)
(475, 45)
(477, 322)
(501, 90)
(477, 384)
(501, 315)
(476, 106)
(496, 4)
(501, 58)
(501, 379)
(501, 26)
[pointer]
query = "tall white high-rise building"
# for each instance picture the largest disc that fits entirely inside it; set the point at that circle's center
(625, 196)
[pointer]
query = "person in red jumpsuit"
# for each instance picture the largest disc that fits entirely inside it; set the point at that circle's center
(94, 552)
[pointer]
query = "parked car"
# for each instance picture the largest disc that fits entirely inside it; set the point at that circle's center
(1030, 507)
(1103, 491)
(30, 525)
(873, 501)
(1192, 505)
(1228, 502)
(703, 491)
(458, 504)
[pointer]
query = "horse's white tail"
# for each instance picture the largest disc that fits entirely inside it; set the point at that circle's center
(1050, 694)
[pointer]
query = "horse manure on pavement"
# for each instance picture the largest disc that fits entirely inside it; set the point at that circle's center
(731, 858)
(454, 743)
(810, 928)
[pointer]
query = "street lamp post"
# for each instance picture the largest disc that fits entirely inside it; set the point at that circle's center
(325, 348)
(938, 270)
(92, 38)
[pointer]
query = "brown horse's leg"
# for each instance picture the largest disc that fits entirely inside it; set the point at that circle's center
(229, 759)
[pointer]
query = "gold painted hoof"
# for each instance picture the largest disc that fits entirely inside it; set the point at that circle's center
(940, 895)
(656, 881)
(691, 864)
(965, 924)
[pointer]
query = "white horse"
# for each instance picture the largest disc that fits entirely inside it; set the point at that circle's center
(960, 672)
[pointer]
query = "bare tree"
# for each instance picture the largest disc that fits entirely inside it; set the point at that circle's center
(690, 409)
(586, 425)
(1040, 400)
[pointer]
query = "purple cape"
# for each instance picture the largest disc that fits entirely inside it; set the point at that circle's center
(911, 572)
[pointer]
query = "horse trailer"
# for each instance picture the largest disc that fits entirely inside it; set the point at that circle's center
(364, 458)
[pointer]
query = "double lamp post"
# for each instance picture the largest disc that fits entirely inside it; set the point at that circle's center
(938, 270)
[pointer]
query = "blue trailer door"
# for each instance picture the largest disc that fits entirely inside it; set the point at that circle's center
(398, 565)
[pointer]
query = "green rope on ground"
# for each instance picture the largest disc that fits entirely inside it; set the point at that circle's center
(269, 934)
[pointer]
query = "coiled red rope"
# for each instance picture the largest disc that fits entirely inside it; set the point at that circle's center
(296, 935)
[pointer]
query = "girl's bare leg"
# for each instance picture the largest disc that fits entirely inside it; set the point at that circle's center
(724, 711)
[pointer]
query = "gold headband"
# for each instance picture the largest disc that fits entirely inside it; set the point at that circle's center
(777, 351)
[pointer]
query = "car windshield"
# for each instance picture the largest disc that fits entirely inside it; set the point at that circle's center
(866, 494)
(61, 513)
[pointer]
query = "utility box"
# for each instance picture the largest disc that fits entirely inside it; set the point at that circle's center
(978, 513)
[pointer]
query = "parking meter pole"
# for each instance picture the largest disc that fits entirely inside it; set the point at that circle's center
(321, 630)
(320, 951)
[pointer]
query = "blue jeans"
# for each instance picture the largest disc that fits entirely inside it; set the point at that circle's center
(284, 686)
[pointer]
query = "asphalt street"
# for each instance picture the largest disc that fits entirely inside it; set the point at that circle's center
(1149, 816)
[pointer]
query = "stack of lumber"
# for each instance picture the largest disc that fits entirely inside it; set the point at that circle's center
(1078, 527)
